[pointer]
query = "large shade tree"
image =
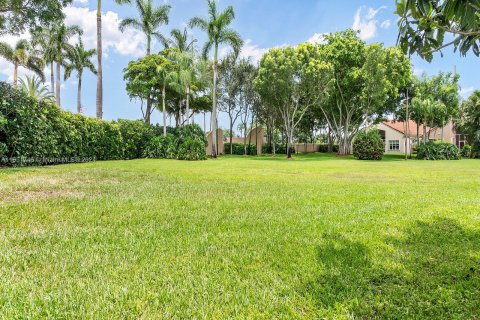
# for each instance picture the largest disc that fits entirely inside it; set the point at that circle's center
(22, 55)
(469, 123)
(428, 26)
(367, 80)
(218, 32)
(293, 80)
(79, 59)
(18, 15)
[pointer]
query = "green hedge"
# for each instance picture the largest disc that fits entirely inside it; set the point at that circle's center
(368, 146)
(467, 151)
(239, 149)
(38, 133)
(438, 151)
(279, 149)
(324, 148)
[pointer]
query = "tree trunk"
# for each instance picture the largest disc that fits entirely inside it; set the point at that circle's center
(231, 135)
(79, 94)
(99, 106)
(164, 112)
(148, 111)
(214, 106)
(204, 121)
(52, 78)
(188, 106)
(57, 85)
(15, 74)
(149, 41)
(289, 143)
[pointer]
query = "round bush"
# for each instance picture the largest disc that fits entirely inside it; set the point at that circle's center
(161, 147)
(192, 149)
(438, 151)
(466, 151)
(368, 146)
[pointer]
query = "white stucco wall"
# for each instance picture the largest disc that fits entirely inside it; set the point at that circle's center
(391, 134)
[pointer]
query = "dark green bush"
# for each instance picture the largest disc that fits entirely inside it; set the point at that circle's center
(192, 149)
(162, 147)
(279, 149)
(438, 151)
(368, 146)
(324, 148)
(466, 151)
(239, 149)
(39, 133)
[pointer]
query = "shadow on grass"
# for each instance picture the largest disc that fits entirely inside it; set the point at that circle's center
(433, 272)
(305, 157)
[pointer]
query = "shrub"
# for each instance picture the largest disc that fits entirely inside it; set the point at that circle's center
(192, 149)
(438, 151)
(190, 131)
(136, 135)
(466, 151)
(239, 149)
(279, 149)
(368, 146)
(161, 147)
(324, 148)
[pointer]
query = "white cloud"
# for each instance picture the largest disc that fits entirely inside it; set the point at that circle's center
(386, 24)
(81, 2)
(252, 51)
(317, 38)
(131, 42)
(418, 71)
(366, 24)
(466, 92)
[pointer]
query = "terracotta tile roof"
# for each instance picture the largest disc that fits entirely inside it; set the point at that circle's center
(400, 127)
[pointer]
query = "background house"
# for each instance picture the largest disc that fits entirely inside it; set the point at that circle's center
(395, 136)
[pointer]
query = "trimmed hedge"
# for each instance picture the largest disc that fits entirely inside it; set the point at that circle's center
(438, 151)
(324, 148)
(239, 149)
(279, 149)
(39, 133)
(368, 146)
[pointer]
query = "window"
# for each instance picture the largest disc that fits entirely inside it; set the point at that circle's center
(394, 145)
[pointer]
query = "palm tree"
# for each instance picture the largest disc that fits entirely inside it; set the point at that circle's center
(150, 20)
(179, 40)
(60, 46)
(22, 56)
(79, 59)
(34, 88)
(99, 102)
(216, 27)
(42, 41)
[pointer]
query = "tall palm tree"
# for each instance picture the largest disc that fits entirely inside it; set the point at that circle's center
(179, 40)
(22, 56)
(79, 59)
(60, 47)
(218, 32)
(99, 102)
(34, 88)
(42, 40)
(150, 20)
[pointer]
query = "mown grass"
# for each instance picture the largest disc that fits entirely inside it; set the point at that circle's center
(317, 237)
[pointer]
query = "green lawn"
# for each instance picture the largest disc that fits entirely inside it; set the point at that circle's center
(317, 237)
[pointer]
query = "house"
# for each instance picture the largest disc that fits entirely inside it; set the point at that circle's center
(396, 138)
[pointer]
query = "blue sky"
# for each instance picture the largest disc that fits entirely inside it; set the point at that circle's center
(262, 24)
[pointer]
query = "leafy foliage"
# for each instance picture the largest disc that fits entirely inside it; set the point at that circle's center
(438, 151)
(162, 147)
(239, 149)
(424, 24)
(466, 151)
(36, 132)
(469, 123)
(192, 149)
(368, 146)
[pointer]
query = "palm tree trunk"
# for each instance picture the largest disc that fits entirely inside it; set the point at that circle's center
(148, 111)
(57, 85)
(79, 94)
(15, 74)
(52, 78)
(99, 66)
(214, 106)
(149, 41)
(188, 105)
(164, 112)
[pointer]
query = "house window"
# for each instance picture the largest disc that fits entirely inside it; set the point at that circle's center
(394, 145)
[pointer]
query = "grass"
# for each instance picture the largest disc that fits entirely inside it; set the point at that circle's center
(318, 237)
